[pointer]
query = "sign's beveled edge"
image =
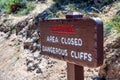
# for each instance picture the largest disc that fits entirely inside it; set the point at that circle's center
(100, 41)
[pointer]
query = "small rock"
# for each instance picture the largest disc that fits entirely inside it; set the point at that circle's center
(27, 45)
(36, 62)
(30, 64)
(36, 54)
(39, 70)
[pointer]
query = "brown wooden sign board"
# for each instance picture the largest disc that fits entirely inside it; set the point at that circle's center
(77, 41)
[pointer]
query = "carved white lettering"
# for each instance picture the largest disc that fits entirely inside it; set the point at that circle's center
(72, 41)
(52, 39)
(81, 55)
(89, 57)
(54, 50)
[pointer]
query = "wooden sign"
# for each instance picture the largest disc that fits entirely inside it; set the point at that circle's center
(77, 41)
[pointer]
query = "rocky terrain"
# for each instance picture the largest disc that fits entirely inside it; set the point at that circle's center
(20, 55)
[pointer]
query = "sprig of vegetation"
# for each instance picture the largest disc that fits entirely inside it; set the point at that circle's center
(107, 28)
(11, 27)
(115, 22)
(112, 24)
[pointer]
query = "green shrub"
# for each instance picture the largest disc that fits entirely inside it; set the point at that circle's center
(116, 23)
(107, 28)
(29, 7)
(112, 24)
(5, 5)
(2, 5)
(23, 7)
(8, 8)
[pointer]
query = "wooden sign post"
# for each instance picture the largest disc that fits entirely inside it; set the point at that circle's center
(76, 40)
